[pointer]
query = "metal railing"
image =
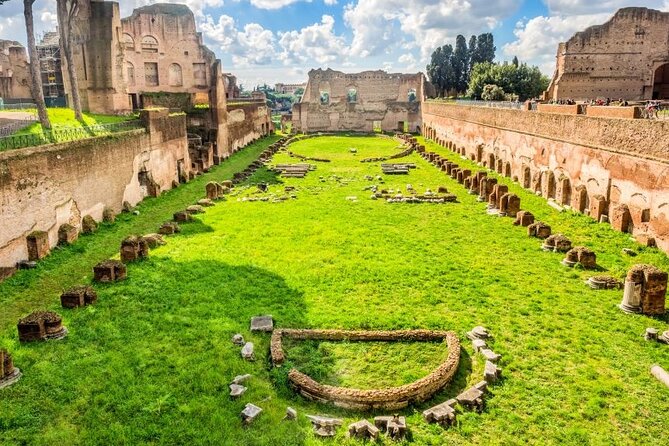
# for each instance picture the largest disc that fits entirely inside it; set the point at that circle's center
(18, 106)
(65, 134)
(16, 125)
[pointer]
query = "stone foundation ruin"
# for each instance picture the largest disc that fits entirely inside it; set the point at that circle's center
(40, 326)
(8, 373)
(390, 398)
(645, 290)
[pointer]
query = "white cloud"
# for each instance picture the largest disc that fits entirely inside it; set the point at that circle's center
(317, 42)
(379, 24)
(589, 7)
(253, 45)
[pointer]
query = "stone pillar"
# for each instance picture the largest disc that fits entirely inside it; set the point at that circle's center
(621, 218)
(579, 198)
(645, 290)
(38, 245)
(598, 207)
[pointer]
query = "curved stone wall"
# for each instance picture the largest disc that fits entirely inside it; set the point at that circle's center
(390, 398)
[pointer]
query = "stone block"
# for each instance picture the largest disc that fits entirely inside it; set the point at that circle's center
(153, 240)
(262, 323)
(108, 215)
(227, 184)
(169, 228)
(247, 352)
(490, 355)
(325, 426)
(395, 426)
(471, 398)
(645, 290)
(621, 218)
(250, 413)
(598, 207)
(539, 229)
(109, 271)
(363, 429)
(478, 333)
(182, 217)
(38, 245)
(241, 379)
(557, 243)
(8, 373)
(479, 344)
(67, 234)
(88, 225)
(582, 255)
(492, 373)
(40, 326)
(212, 190)
(524, 219)
(238, 339)
(195, 209)
(236, 390)
(509, 204)
(444, 413)
(134, 248)
(78, 297)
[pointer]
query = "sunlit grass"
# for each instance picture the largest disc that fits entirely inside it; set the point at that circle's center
(150, 363)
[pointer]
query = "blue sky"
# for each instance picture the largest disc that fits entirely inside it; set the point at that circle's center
(281, 40)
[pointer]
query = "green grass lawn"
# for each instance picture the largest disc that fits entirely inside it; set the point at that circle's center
(150, 363)
(64, 117)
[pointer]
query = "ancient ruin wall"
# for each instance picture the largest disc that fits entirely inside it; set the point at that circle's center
(358, 100)
(618, 59)
(576, 160)
(44, 187)
(247, 122)
(14, 71)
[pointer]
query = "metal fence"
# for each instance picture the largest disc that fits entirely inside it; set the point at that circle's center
(18, 106)
(16, 125)
(64, 134)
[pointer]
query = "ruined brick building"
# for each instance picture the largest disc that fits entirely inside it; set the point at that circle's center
(627, 57)
(14, 72)
(336, 101)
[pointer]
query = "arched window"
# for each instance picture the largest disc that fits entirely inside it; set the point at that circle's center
(149, 44)
(175, 75)
(128, 42)
(325, 98)
(130, 74)
(412, 95)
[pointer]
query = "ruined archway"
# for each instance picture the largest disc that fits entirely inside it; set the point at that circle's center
(661, 82)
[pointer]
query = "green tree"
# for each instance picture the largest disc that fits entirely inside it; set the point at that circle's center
(67, 11)
(492, 93)
(440, 71)
(37, 88)
(522, 80)
(461, 64)
(485, 48)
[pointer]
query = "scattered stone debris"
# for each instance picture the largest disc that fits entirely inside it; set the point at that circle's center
(664, 337)
(490, 355)
(8, 373)
(78, 297)
(236, 390)
(67, 234)
(195, 209)
(651, 334)
(397, 169)
(294, 170)
(108, 215)
(134, 248)
(363, 429)
(478, 333)
(645, 290)
(395, 426)
(247, 352)
(262, 323)
(154, 240)
(629, 252)
(169, 228)
(539, 229)
(26, 264)
(241, 379)
(472, 398)
(109, 271)
(479, 344)
(182, 217)
(492, 373)
(661, 374)
(205, 202)
(238, 340)
(250, 413)
(38, 245)
(40, 326)
(291, 414)
(443, 414)
(324, 426)
(557, 243)
(524, 219)
(582, 255)
(88, 225)
(603, 283)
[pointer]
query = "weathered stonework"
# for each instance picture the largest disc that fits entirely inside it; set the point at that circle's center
(40, 326)
(38, 245)
(78, 297)
(391, 398)
(109, 271)
(645, 290)
(336, 101)
(8, 373)
(597, 163)
(14, 71)
(627, 57)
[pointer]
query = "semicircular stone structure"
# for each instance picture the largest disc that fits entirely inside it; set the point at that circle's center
(391, 398)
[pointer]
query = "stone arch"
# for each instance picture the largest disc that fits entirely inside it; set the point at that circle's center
(149, 44)
(352, 94)
(661, 82)
(549, 185)
(175, 75)
(128, 42)
(130, 74)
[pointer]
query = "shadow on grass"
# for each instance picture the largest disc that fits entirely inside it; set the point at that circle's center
(154, 355)
(264, 175)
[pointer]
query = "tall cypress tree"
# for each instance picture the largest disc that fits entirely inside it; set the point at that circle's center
(461, 64)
